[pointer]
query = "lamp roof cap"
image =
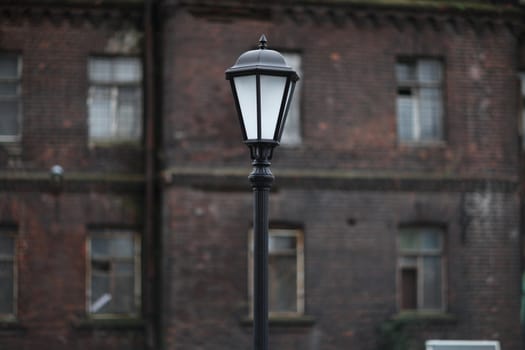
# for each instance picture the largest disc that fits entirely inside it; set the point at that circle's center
(262, 59)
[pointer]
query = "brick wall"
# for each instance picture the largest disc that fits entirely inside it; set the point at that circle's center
(54, 94)
(364, 185)
(349, 139)
(51, 237)
(349, 93)
(102, 185)
(350, 266)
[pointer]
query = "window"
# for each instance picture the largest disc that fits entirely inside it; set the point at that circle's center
(10, 101)
(419, 100)
(292, 129)
(285, 272)
(115, 99)
(7, 273)
(420, 269)
(114, 274)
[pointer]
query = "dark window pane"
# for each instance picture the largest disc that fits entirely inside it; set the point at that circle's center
(408, 289)
(8, 89)
(404, 91)
(8, 66)
(432, 283)
(430, 239)
(405, 72)
(6, 288)
(100, 266)
(7, 246)
(281, 243)
(113, 273)
(409, 240)
(99, 285)
(8, 118)
(99, 247)
(100, 293)
(122, 246)
(282, 276)
(123, 301)
(124, 268)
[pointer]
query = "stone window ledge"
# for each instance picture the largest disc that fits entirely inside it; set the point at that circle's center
(413, 317)
(11, 325)
(110, 324)
(283, 321)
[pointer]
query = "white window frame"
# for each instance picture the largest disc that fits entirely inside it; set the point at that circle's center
(114, 87)
(419, 255)
(299, 253)
(292, 129)
(415, 86)
(11, 232)
(18, 97)
(137, 292)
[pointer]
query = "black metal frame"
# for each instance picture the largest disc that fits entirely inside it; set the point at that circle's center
(283, 109)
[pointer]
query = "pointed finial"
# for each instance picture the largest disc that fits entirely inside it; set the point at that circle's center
(262, 42)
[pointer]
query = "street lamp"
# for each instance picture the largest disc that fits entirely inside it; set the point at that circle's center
(262, 86)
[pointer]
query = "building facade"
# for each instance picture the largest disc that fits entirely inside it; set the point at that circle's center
(395, 217)
(72, 80)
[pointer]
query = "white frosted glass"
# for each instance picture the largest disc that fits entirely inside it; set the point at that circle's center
(429, 71)
(127, 69)
(405, 118)
(246, 93)
(99, 111)
(272, 91)
(430, 113)
(100, 69)
(291, 134)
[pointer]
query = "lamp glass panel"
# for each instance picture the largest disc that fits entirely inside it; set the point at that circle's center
(272, 91)
(291, 116)
(245, 86)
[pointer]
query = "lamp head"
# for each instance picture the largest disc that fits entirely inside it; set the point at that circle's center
(262, 85)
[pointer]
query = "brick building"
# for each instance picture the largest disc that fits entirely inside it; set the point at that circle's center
(396, 215)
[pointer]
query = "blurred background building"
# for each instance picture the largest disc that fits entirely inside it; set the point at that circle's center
(397, 211)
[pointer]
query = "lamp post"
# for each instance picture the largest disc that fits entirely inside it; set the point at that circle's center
(262, 86)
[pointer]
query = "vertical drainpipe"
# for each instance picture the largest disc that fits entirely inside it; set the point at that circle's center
(519, 64)
(150, 273)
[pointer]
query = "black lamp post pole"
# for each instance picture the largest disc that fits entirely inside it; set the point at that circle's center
(261, 179)
(262, 74)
